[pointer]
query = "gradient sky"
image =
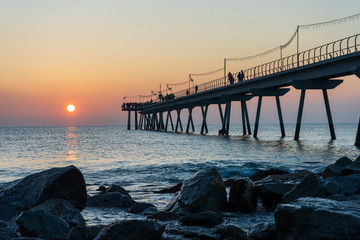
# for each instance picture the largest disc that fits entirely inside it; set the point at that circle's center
(92, 53)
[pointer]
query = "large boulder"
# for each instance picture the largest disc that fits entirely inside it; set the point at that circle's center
(207, 218)
(62, 183)
(163, 216)
(132, 230)
(117, 188)
(111, 199)
(312, 186)
(318, 218)
(64, 210)
(41, 224)
(203, 191)
(272, 193)
(263, 231)
(242, 196)
(335, 169)
(353, 168)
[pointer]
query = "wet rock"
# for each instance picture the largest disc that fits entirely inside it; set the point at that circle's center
(349, 185)
(289, 177)
(229, 182)
(173, 189)
(62, 183)
(150, 211)
(203, 191)
(132, 230)
(198, 236)
(84, 233)
(272, 193)
(353, 168)
(263, 231)
(5, 232)
(264, 173)
(318, 218)
(113, 199)
(172, 202)
(41, 224)
(102, 189)
(139, 207)
(163, 216)
(207, 218)
(117, 188)
(230, 232)
(64, 210)
(335, 169)
(312, 186)
(242, 196)
(27, 238)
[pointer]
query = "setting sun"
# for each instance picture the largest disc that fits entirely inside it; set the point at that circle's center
(70, 108)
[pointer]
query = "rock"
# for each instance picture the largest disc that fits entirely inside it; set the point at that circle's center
(264, 173)
(172, 202)
(312, 186)
(197, 236)
(41, 224)
(163, 216)
(289, 177)
(272, 193)
(242, 196)
(349, 185)
(5, 232)
(27, 238)
(173, 189)
(62, 183)
(113, 199)
(132, 230)
(335, 169)
(102, 189)
(64, 210)
(150, 211)
(229, 182)
(117, 188)
(139, 207)
(263, 231)
(207, 218)
(203, 191)
(353, 168)
(231, 232)
(318, 218)
(84, 233)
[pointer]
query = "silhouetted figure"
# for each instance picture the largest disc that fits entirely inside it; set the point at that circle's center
(187, 92)
(196, 88)
(242, 75)
(231, 78)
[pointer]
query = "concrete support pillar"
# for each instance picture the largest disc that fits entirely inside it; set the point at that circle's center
(204, 124)
(129, 118)
(300, 111)
(257, 116)
(178, 121)
(357, 141)
(280, 116)
(136, 120)
(328, 113)
(190, 121)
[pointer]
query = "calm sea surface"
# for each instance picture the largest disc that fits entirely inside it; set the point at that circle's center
(144, 161)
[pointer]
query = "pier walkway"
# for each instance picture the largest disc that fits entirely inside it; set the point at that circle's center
(314, 69)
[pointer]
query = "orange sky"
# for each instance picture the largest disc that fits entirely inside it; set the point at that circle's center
(92, 53)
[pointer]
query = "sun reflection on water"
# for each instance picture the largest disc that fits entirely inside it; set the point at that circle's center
(71, 144)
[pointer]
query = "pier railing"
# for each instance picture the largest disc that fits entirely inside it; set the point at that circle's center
(324, 52)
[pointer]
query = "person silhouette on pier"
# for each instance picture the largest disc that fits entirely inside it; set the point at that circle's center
(231, 78)
(240, 76)
(196, 88)
(187, 92)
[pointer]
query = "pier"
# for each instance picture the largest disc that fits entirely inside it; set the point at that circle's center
(320, 68)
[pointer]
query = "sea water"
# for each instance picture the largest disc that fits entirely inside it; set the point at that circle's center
(146, 161)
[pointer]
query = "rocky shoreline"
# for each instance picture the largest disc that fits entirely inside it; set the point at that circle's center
(271, 204)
